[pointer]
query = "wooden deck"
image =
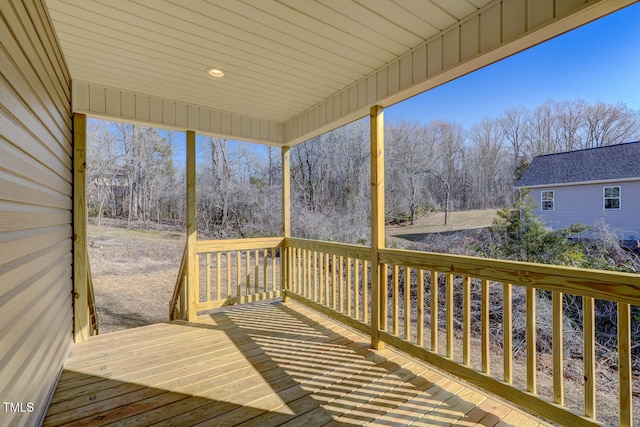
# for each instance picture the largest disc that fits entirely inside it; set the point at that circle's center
(261, 364)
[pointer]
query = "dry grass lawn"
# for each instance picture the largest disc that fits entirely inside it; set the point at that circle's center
(434, 222)
(134, 273)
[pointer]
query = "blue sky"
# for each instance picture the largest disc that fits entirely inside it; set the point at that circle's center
(597, 62)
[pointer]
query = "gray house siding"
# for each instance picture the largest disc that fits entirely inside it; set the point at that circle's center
(36, 316)
(585, 203)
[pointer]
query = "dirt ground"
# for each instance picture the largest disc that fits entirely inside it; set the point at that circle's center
(134, 273)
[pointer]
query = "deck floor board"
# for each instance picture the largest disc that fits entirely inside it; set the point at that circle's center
(260, 365)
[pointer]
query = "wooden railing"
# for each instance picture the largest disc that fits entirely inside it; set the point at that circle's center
(435, 291)
(179, 303)
(230, 272)
(238, 271)
(475, 318)
(93, 315)
(333, 278)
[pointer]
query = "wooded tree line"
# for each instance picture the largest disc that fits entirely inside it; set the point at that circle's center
(133, 173)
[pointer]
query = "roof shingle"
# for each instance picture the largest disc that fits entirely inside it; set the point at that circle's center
(621, 161)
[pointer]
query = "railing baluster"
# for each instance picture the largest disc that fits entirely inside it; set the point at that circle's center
(197, 277)
(349, 292)
(434, 311)
(218, 277)
(395, 292)
(208, 276)
(264, 270)
(238, 274)
(310, 274)
(356, 288)
(531, 340)
(315, 273)
(256, 272)
(256, 280)
(307, 274)
(228, 274)
(294, 269)
(407, 303)
(247, 272)
(556, 348)
(420, 302)
(466, 320)
(384, 297)
(624, 363)
(588, 327)
(507, 332)
(326, 280)
(341, 284)
(301, 264)
(449, 315)
(486, 344)
(334, 281)
(299, 271)
(283, 252)
(365, 291)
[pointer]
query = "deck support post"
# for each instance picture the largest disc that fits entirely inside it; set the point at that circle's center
(286, 222)
(81, 318)
(191, 260)
(376, 118)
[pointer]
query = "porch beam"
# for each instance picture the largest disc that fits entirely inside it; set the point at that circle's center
(192, 256)
(376, 118)
(81, 318)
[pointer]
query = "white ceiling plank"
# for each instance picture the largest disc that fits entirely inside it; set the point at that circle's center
(212, 45)
(412, 22)
(377, 22)
(318, 29)
(459, 9)
(294, 67)
(303, 27)
(345, 22)
(429, 12)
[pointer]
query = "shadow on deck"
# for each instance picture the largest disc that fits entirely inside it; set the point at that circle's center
(262, 364)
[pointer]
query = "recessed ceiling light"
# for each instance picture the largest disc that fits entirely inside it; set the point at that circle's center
(215, 72)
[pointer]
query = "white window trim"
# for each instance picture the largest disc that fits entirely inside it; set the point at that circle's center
(604, 198)
(553, 200)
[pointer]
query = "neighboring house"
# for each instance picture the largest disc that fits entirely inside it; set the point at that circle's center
(588, 186)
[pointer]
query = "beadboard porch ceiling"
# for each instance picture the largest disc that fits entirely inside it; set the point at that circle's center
(293, 68)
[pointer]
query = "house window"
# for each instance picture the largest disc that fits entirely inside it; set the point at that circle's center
(547, 200)
(612, 197)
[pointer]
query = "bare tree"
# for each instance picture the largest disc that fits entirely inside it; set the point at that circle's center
(609, 124)
(488, 159)
(514, 127)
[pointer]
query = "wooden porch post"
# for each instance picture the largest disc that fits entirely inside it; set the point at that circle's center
(286, 220)
(376, 118)
(81, 320)
(192, 267)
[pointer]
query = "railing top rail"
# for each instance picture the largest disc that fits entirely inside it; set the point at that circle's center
(204, 246)
(606, 285)
(343, 249)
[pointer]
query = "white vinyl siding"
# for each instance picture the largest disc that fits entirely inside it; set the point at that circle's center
(584, 204)
(36, 316)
